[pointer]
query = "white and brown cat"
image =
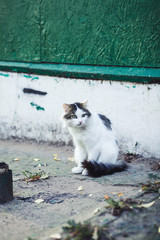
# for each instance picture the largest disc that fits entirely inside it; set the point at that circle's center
(96, 148)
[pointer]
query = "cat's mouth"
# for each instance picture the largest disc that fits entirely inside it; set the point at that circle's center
(80, 124)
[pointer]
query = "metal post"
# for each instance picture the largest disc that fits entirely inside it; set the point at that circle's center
(6, 184)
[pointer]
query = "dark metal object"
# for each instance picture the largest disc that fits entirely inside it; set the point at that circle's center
(6, 185)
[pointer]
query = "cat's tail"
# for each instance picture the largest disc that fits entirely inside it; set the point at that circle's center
(100, 169)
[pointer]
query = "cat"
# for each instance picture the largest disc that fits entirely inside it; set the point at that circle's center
(96, 148)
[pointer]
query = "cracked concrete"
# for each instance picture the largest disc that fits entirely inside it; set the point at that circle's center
(23, 218)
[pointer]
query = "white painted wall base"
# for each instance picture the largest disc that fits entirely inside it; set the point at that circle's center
(134, 109)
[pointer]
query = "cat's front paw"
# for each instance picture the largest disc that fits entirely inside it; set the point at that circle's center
(77, 170)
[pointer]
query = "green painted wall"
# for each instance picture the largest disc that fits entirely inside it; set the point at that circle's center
(94, 32)
(20, 30)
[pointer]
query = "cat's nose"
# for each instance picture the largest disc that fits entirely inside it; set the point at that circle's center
(80, 122)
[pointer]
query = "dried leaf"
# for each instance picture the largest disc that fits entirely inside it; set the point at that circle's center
(57, 159)
(39, 200)
(120, 194)
(106, 197)
(80, 188)
(147, 205)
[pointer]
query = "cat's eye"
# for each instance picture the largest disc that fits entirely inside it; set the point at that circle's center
(83, 115)
(73, 116)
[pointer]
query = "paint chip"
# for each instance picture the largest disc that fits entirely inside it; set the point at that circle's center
(90, 195)
(39, 200)
(71, 159)
(55, 236)
(147, 205)
(36, 159)
(80, 188)
(16, 159)
(97, 210)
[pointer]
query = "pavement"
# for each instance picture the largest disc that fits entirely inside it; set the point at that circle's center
(123, 205)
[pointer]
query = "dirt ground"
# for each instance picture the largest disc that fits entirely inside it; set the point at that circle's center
(67, 196)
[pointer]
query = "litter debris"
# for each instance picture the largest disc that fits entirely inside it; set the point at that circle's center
(80, 188)
(39, 200)
(41, 165)
(71, 159)
(97, 210)
(95, 235)
(44, 175)
(90, 195)
(56, 157)
(55, 236)
(16, 159)
(36, 159)
(147, 205)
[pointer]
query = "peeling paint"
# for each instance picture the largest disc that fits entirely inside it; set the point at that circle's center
(4, 75)
(32, 78)
(37, 107)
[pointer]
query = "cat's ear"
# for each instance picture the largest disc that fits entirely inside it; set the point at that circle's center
(66, 107)
(84, 104)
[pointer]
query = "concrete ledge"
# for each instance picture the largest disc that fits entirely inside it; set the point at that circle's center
(130, 74)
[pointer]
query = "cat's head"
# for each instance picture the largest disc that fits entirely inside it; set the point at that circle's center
(76, 114)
